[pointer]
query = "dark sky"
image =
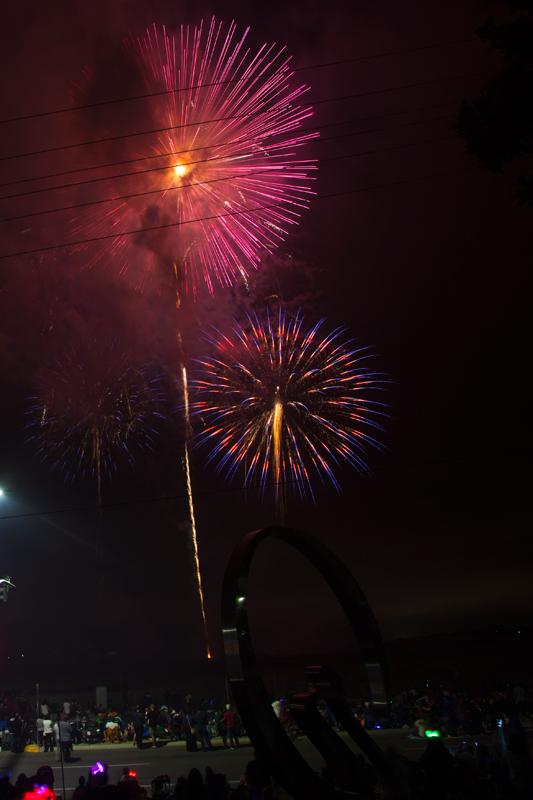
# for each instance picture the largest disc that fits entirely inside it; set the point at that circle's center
(431, 273)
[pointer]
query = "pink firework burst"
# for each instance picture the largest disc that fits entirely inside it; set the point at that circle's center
(226, 167)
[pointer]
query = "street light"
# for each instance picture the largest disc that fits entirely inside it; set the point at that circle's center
(2, 493)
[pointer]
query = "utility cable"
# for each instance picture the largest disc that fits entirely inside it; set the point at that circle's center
(305, 68)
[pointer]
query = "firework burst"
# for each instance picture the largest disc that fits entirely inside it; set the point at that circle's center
(234, 117)
(287, 404)
(94, 410)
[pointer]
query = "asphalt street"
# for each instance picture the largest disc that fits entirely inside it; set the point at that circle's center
(172, 759)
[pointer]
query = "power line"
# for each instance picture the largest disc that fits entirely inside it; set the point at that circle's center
(163, 92)
(268, 171)
(227, 178)
(168, 225)
(198, 123)
(168, 153)
(148, 500)
(434, 462)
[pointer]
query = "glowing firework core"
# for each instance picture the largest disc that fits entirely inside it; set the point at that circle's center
(286, 404)
(180, 170)
(277, 422)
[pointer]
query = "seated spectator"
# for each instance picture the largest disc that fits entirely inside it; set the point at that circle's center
(216, 785)
(80, 792)
(195, 786)
(437, 770)
(112, 730)
(255, 784)
(23, 784)
(45, 776)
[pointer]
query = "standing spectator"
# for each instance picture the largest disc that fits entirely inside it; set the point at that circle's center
(190, 733)
(138, 727)
(424, 707)
(16, 727)
(48, 735)
(45, 711)
(63, 735)
(40, 726)
(164, 719)
(202, 729)
(152, 718)
(229, 721)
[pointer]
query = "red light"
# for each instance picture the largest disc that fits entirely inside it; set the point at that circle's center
(132, 773)
(39, 793)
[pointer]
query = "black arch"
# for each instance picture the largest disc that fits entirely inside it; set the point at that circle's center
(248, 689)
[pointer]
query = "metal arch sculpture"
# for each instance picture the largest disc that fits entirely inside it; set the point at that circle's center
(253, 702)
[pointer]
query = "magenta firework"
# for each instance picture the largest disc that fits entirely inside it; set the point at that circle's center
(224, 176)
(93, 410)
(286, 404)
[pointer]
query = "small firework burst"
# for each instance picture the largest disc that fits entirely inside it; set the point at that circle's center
(94, 409)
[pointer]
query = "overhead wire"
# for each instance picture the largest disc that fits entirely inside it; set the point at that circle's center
(304, 68)
(212, 492)
(195, 184)
(242, 212)
(169, 153)
(198, 123)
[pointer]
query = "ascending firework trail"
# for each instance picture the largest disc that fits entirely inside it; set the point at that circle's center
(188, 484)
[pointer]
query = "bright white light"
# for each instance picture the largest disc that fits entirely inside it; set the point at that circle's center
(1, 492)
(180, 170)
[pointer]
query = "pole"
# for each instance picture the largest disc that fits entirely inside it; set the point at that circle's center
(61, 756)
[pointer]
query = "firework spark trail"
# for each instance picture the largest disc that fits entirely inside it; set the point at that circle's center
(192, 516)
(258, 148)
(286, 404)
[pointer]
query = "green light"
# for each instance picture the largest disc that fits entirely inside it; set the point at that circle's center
(432, 734)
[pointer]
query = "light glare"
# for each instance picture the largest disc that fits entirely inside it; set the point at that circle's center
(180, 170)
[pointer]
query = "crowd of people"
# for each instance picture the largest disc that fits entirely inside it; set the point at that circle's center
(476, 746)
(58, 728)
(451, 712)
(198, 723)
(255, 784)
(468, 771)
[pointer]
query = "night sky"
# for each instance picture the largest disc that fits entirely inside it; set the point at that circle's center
(430, 271)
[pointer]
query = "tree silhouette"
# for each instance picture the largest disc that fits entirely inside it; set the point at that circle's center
(498, 124)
